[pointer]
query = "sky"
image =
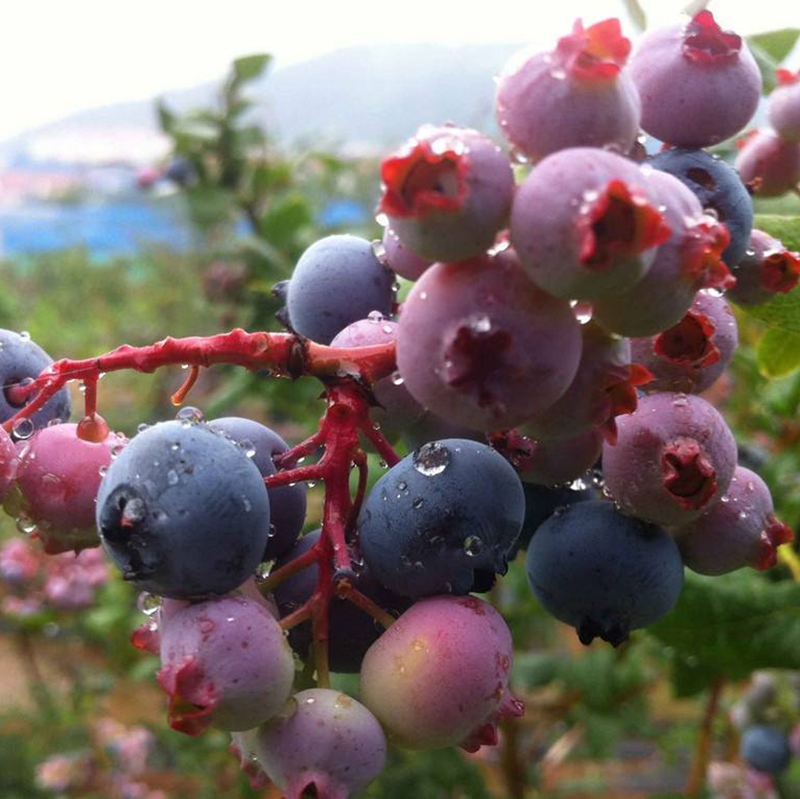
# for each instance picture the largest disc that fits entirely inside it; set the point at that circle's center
(61, 57)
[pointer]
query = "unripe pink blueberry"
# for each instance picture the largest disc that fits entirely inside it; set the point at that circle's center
(740, 530)
(58, 477)
(402, 260)
(440, 673)
(784, 105)
(325, 739)
(479, 344)
(767, 269)
(698, 83)
(578, 95)
(768, 164)
(674, 458)
(691, 355)
(690, 260)
(584, 224)
(447, 192)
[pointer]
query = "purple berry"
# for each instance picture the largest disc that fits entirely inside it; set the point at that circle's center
(767, 268)
(674, 458)
(691, 355)
(224, 662)
(768, 164)
(740, 530)
(689, 261)
(397, 410)
(401, 260)
(766, 749)
(480, 345)
(440, 673)
(325, 741)
(698, 83)
(578, 95)
(583, 224)
(447, 192)
(287, 504)
(784, 105)
(603, 387)
(337, 280)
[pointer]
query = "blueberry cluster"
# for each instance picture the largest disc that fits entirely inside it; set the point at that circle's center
(566, 313)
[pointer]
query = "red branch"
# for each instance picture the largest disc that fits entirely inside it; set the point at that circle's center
(348, 374)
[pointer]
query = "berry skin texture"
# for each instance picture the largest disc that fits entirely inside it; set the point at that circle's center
(183, 512)
(602, 572)
(442, 520)
(447, 192)
(783, 107)
(719, 189)
(401, 260)
(480, 345)
(766, 749)
(698, 84)
(768, 164)
(604, 387)
(583, 224)
(740, 530)
(21, 360)
(691, 355)
(767, 269)
(351, 630)
(58, 477)
(440, 673)
(224, 662)
(578, 95)
(287, 504)
(397, 409)
(674, 457)
(688, 261)
(338, 280)
(323, 739)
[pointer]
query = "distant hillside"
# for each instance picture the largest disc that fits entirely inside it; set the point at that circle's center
(369, 96)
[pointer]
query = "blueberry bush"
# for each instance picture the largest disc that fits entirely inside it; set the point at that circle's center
(546, 516)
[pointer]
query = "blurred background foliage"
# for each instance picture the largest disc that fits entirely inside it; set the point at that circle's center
(599, 722)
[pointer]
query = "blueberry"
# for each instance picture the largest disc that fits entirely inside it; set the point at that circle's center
(766, 748)
(603, 572)
(183, 512)
(338, 280)
(22, 360)
(719, 189)
(442, 520)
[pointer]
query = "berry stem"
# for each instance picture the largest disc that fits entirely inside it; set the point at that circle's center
(791, 560)
(383, 618)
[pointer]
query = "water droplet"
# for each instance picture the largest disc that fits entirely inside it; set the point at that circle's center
(25, 335)
(172, 477)
(431, 459)
(418, 503)
(26, 525)
(480, 323)
(383, 464)
(418, 645)
(190, 414)
(387, 329)
(402, 486)
(23, 428)
(247, 447)
(142, 427)
(397, 379)
(248, 505)
(311, 484)
(376, 317)
(103, 470)
(382, 220)
(115, 450)
(423, 295)
(473, 545)
(148, 603)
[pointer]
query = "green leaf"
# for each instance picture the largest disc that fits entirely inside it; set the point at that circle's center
(769, 49)
(783, 311)
(690, 679)
(776, 44)
(280, 224)
(166, 119)
(778, 353)
(734, 624)
(250, 67)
